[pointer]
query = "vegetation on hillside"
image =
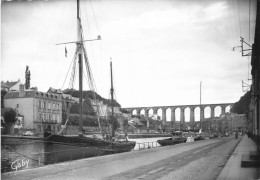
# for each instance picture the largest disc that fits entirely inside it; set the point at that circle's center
(87, 108)
(90, 95)
(242, 106)
(92, 121)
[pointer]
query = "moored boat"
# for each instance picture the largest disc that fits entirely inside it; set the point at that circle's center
(176, 138)
(171, 141)
(81, 140)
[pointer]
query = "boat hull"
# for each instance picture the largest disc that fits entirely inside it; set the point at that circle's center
(113, 147)
(169, 141)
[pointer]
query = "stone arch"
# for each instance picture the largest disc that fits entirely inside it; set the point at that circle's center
(150, 112)
(217, 111)
(160, 113)
(134, 112)
(197, 113)
(228, 108)
(168, 114)
(187, 114)
(142, 111)
(207, 112)
(178, 114)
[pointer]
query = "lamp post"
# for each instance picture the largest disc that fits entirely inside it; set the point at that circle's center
(200, 108)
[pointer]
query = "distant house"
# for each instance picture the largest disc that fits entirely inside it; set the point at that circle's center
(39, 110)
(67, 100)
(10, 86)
(226, 122)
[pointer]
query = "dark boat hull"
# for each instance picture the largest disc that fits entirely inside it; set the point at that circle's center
(169, 141)
(199, 138)
(114, 147)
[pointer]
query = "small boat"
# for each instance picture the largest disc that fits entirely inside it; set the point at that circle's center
(171, 141)
(81, 140)
(198, 137)
(175, 139)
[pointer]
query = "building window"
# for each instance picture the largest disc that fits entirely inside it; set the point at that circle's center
(49, 105)
(58, 108)
(44, 117)
(44, 105)
(53, 106)
(58, 118)
(40, 104)
(50, 117)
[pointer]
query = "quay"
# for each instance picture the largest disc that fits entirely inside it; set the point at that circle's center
(155, 163)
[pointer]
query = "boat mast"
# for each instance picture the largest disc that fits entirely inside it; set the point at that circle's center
(80, 52)
(112, 100)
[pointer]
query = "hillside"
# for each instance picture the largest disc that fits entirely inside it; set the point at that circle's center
(90, 95)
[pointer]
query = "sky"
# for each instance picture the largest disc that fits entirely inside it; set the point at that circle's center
(161, 49)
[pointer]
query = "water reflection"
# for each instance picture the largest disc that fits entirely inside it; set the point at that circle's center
(55, 153)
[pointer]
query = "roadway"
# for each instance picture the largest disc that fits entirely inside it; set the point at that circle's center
(197, 160)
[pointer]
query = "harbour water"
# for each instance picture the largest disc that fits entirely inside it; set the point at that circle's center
(26, 154)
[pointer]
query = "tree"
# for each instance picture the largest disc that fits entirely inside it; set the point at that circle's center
(10, 117)
(88, 108)
(124, 111)
(74, 108)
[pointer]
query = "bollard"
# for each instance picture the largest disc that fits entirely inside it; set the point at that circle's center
(39, 160)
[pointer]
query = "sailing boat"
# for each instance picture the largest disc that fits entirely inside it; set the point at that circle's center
(82, 141)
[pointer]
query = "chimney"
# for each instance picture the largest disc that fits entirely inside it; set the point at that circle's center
(21, 90)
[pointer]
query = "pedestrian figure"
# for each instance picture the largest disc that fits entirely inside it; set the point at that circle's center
(236, 134)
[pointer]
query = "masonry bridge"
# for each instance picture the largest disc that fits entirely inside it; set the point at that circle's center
(182, 108)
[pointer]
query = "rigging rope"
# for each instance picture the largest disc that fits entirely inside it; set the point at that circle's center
(69, 69)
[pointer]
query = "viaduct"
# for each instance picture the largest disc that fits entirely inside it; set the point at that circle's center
(182, 109)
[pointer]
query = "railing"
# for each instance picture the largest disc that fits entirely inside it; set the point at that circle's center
(146, 145)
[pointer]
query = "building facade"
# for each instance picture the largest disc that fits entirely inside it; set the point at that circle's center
(40, 110)
(254, 115)
(226, 122)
